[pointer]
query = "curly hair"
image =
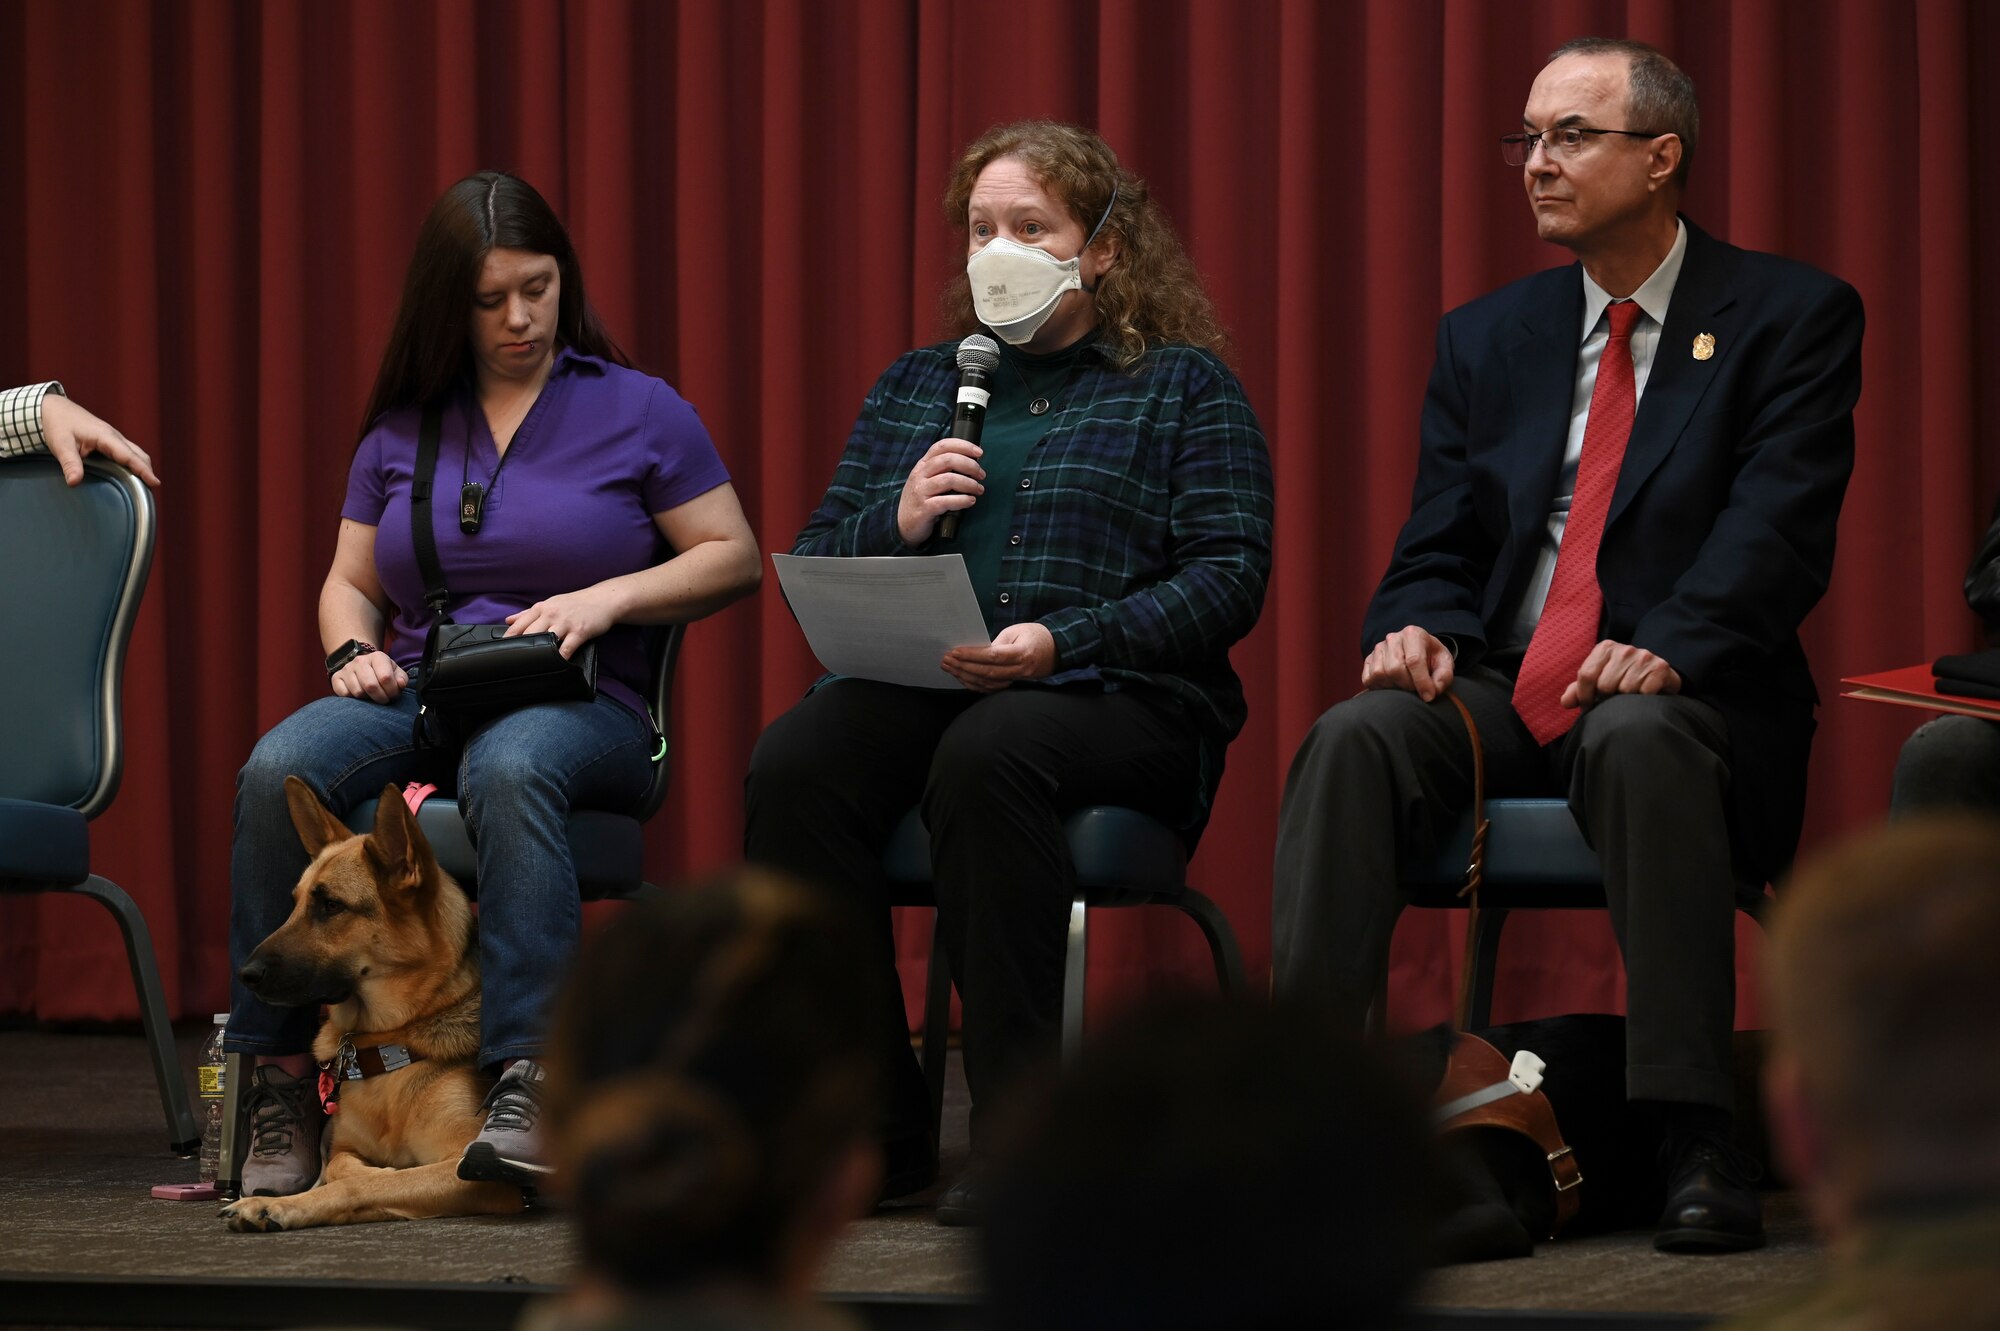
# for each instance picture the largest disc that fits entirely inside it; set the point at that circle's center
(1152, 295)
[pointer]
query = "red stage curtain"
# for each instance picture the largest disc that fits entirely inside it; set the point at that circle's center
(212, 203)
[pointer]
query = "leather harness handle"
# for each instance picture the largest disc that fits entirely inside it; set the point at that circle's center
(1530, 1115)
(1475, 865)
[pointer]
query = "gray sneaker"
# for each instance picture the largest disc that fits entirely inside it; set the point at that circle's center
(284, 1119)
(509, 1148)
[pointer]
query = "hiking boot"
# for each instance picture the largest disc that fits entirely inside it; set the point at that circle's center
(509, 1148)
(284, 1119)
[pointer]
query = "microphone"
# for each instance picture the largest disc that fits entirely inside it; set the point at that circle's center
(978, 358)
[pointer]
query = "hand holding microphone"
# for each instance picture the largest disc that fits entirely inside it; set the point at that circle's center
(948, 477)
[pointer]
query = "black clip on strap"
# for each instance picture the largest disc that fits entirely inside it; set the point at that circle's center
(422, 530)
(424, 534)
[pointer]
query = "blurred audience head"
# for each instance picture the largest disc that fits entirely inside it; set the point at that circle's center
(429, 350)
(1209, 1164)
(1883, 974)
(712, 1089)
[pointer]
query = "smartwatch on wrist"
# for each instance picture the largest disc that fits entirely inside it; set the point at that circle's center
(351, 650)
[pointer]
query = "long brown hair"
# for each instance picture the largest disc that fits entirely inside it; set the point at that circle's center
(1152, 295)
(428, 349)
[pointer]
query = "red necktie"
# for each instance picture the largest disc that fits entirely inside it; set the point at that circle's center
(1567, 629)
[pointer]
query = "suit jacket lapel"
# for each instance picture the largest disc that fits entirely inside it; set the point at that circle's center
(1703, 302)
(1541, 372)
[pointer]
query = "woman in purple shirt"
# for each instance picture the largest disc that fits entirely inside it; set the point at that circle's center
(603, 507)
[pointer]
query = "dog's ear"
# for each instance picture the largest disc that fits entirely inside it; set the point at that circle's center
(397, 844)
(318, 828)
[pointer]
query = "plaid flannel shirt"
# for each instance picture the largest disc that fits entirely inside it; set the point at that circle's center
(1143, 520)
(21, 419)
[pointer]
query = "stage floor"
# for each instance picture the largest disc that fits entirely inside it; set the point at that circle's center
(81, 1242)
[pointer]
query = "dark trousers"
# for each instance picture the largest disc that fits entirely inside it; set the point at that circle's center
(995, 774)
(1385, 774)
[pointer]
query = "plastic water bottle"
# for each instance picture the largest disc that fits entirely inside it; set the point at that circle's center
(209, 1077)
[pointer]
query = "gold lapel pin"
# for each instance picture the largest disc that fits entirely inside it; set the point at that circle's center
(1704, 345)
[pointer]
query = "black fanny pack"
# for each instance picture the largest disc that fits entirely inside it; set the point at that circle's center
(474, 668)
(473, 672)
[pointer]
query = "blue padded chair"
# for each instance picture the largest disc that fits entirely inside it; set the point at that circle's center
(1122, 858)
(73, 565)
(609, 850)
(1536, 859)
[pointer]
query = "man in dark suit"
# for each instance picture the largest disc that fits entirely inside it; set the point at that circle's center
(1625, 505)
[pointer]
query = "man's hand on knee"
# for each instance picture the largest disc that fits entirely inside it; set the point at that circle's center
(1409, 659)
(1619, 667)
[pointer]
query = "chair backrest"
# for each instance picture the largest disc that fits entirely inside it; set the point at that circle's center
(663, 649)
(73, 565)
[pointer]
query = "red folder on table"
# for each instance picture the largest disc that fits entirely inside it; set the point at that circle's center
(1915, 686)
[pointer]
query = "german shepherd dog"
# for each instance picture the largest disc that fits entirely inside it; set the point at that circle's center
(384, 937)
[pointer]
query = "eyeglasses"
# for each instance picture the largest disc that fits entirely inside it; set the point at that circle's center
(1566, 141)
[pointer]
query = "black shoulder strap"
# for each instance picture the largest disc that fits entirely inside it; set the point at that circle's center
(421, 529)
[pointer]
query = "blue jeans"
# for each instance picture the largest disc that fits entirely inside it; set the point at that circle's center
(1952, 762)
(516, 779)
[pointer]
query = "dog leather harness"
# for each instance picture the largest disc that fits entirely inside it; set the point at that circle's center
(351, 1064)
(1481, 1090)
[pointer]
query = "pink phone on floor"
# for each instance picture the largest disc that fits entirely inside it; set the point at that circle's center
(187, 1192)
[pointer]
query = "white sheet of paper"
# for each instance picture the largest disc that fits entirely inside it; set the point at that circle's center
(883, 617)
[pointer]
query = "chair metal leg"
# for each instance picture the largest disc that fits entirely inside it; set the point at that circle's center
(1221, 938)
(937, 1025)
(236, 1072)
(1482, 960)
(183, 1136)
(1072, 1000)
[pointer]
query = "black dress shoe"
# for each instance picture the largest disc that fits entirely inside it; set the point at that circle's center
(963, 1202)
(1710, 1204)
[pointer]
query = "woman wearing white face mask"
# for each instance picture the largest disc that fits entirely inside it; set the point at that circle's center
(1115, 519)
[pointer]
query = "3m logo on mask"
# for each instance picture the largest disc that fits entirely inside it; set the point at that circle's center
(1000, 290)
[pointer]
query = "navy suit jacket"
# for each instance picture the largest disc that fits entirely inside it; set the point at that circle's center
(1720, 534)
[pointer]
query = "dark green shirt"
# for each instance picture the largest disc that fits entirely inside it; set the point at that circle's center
(987, 529)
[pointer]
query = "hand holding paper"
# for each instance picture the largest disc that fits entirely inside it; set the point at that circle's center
(1022, 651)
(888, 619)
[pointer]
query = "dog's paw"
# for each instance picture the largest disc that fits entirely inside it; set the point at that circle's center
(254, 1215)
